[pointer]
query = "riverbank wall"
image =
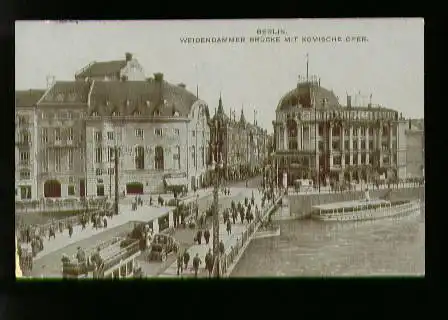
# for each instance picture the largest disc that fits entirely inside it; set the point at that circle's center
(301, 204)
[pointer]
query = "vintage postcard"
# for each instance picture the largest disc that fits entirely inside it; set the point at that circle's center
(219, 148)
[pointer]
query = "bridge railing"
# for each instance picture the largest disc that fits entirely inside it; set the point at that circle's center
(232, 253)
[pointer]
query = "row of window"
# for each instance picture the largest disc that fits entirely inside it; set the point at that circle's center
(55, 158)
(337, 160)
(59, 134)
(139, 157)
(293, 131)
(341, 114)
(139, 133)
(61, 115)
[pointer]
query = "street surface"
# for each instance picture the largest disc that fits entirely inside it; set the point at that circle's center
(237, 194)
(48, 262)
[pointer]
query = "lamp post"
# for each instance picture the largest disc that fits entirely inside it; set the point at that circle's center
(217, 165)
(116, 152)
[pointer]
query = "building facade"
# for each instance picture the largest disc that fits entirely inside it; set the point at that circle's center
(244, 147)
(26, 144)
(415, 149)
(317, 138)
(61, 140)
(160, 130)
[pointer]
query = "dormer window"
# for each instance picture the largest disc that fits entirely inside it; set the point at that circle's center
(136, 113)
(115, 114)
(157, 113)
(148, 104)
(176, 114)
(107, 103)
(165, 102)
(127, 103)
(94, 114)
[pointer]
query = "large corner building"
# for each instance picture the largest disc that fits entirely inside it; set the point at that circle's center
(315, 137)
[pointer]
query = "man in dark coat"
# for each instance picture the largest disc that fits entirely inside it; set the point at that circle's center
(234, 215)
(51, 232)
(186, 257)
(70, 230)
(207, 236)
(252, 200)
(242, 215)
(105, 222)
(199, 236)
(229, 227)
(246, 201)
(179, 263)
(196, 262)
(209, 262)
(222, 249)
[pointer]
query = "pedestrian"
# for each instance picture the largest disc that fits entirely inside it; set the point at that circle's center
(81, 255)
(179, 263)
(207, 236)
(209, 262)
(51, 233)
(105, 222)
(70, 230)
(234, 216)
(222, 249)
(61, 227)
(199, 236)
(252, 200)
(150, 200)
(196, 262)
(186, 259)
(242, 215)
(229, 227)
(246, 201)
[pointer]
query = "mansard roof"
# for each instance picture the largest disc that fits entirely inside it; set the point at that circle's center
(28, 98)
(146, 97)
(70, 92)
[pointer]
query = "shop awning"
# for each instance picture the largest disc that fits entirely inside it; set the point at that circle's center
(176, 181)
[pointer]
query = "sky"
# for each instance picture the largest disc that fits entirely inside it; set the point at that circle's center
(383, 58)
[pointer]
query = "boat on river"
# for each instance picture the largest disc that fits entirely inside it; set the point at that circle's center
(365, 209)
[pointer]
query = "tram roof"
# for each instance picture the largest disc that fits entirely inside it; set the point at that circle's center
(350, 204)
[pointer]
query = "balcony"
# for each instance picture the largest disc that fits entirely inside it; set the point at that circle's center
(24, 163)
(63, 144)
(23, 143)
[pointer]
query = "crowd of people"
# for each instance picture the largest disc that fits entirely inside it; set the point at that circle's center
(241, 212)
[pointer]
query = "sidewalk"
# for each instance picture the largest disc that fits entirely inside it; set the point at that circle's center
(229, 240)
(357, 187)
(126, 215)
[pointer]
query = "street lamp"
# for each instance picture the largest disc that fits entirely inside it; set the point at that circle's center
(217, 164)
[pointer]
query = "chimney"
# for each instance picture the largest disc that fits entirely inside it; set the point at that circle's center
(128, 56)
(349, 101)
(158, 77)
(182, 85)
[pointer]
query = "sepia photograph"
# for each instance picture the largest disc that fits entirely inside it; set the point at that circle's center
(204, 149)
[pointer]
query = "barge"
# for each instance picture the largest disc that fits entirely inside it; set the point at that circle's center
(365, 209)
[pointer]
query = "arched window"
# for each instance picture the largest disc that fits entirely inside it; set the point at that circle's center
(202, 156)
(193, 155)
(292, 134)
(139, 158)
(159, 159)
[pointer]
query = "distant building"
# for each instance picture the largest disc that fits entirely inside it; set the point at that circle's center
(317, 137)
(26, 143)
(415, 149)
(128, 69)
(244, 147)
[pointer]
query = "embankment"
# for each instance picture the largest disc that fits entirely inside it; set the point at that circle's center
(301, 204)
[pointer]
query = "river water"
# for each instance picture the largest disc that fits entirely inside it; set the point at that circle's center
(309, 248)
